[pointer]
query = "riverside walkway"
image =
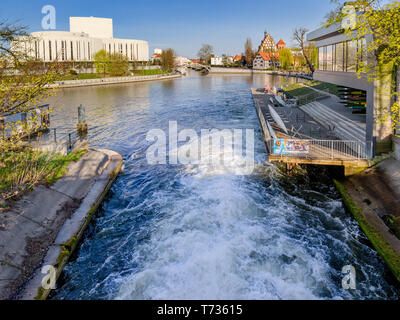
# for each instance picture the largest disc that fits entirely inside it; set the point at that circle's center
(314, 134)
(115, 80)
(44, 227)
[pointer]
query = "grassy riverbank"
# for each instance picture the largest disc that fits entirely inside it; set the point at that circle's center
(301, 93)
(323, 86)
(22, 170)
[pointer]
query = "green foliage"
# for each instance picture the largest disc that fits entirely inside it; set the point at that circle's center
(286, 58)
(118, 66)
(381, 25)
(23, 86)
(324, 86)
(168, 60)
(21, 170)
(102, 61)
(301, 93)
(249, 52)
(308, 50)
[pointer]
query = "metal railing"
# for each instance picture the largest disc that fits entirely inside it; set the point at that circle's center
(318, 149)
(58, 136)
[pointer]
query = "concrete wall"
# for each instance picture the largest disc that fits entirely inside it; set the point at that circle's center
(230, 70)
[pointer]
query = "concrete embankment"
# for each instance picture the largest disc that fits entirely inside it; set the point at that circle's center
(45, 226)
(373, 197)
(215, 70)
(106, 81)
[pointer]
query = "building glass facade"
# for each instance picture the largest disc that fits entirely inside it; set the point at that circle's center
(342, 57)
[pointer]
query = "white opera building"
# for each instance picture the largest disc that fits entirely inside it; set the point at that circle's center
(86, 37)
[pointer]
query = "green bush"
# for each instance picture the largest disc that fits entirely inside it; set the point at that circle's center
(21, 170)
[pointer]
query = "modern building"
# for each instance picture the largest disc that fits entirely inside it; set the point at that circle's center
(86, 37)
(338, 64)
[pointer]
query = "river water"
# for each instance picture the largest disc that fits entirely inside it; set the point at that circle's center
(189, 232)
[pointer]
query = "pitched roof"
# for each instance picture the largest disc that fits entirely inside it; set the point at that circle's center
(281, 42)
(238, 57)
(268, 55)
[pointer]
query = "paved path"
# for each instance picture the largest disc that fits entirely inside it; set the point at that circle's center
(37, 221)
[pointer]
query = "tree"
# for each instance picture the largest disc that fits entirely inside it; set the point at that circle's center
(299, 36)
(102, 61)
(380, 55)
(285, 58)
(205, 53)
(168, 60)
(249, 52)
(119, 65)
(24, 85)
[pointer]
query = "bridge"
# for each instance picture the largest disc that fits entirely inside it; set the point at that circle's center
(199, 67)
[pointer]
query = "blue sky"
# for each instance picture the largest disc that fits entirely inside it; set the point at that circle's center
(182, 25)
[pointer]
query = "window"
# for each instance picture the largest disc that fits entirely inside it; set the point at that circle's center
(72, 51)
(362, 55)
(351, 56)
(88, 45)
(329, 58)
(44, 51)
(321, 58)
(340, 56)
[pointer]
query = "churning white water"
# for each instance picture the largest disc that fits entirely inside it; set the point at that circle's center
(199, 231)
